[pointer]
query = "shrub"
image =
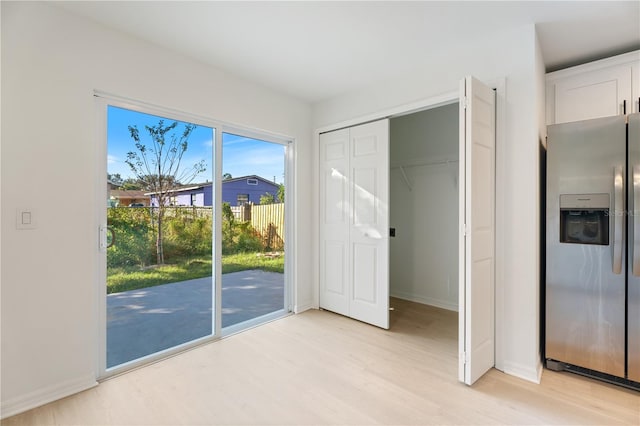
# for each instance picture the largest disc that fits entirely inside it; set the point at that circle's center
(246, 239)
(133, 237)
(187, 232)
(237, 237)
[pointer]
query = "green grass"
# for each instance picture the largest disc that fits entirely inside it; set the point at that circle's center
(133, 278)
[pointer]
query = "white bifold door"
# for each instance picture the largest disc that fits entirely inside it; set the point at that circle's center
(354, 222)
(477, 237)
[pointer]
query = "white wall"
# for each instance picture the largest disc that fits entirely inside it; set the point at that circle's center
(422, 268)
(431, 134)
(510, 55)
(51, 63)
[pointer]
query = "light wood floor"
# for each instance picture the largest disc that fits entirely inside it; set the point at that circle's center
(322, 368)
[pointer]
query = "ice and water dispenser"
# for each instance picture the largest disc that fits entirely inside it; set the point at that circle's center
(584, 219)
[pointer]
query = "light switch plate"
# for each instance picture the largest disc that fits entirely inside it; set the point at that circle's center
(25, 218)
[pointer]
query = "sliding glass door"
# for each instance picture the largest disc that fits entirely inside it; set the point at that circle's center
(193, 232)
(160, 231)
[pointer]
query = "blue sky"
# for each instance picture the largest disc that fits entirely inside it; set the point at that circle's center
(241, 156)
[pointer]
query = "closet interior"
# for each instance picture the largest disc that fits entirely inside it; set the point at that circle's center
(423, 213)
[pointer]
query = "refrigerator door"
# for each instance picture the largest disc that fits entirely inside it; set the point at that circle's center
(586, 262)
(633, 298)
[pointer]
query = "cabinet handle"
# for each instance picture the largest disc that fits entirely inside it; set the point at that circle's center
(624, 107)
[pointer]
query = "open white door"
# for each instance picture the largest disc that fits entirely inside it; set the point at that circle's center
(477, 237)
(354, 222)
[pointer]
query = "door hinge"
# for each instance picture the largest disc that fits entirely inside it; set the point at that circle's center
(464, 229)
(463, 355)
(465, 102)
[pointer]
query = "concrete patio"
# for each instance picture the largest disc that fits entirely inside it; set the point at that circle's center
(145, 321)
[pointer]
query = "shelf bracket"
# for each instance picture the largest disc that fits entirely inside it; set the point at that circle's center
(406, 179)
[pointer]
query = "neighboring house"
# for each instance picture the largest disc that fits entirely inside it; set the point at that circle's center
(199, 195)
(111, 185)
(236, 191)
(247, 189)
(125, 198)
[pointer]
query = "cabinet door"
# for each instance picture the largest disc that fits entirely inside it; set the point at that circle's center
(594, 94)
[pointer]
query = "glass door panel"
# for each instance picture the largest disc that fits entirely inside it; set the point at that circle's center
(160, 224)
(253, 230)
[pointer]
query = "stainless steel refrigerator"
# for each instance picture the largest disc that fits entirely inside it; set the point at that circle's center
(592, 291)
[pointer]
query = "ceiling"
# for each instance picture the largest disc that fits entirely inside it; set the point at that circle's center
(318, 50)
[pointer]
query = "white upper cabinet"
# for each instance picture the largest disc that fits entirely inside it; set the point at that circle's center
(597, 89)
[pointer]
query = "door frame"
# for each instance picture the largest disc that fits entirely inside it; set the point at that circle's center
(499, 84)
(102, 101)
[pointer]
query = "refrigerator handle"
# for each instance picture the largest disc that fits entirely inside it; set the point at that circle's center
(618, 219)
(636, 222)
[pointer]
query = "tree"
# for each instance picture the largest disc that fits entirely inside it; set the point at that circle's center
(157, 165)
(281, 193)
(131, 184)
(227, 176)
(150, 182)
(267, 198)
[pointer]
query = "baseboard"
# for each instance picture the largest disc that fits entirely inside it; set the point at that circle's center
(298, 309)
(527, 373)
(426, 301)
(49, 394)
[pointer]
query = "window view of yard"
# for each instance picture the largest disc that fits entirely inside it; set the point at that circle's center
(160, 216)
(187, 247)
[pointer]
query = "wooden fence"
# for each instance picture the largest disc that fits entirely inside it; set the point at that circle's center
(268, 221)
(242, 213)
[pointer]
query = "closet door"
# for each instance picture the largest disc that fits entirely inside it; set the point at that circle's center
(369, 233)
(477, 241)
(335, 212)
(354, 225)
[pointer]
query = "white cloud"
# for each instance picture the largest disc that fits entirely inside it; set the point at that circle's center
(239, 140)
(112, 159)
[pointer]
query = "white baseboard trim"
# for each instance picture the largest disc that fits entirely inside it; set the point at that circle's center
(527, 373)
(46, 395)
(426, 301)
(298, 309)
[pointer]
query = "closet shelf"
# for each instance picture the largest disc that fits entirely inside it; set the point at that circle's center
(419, 163)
